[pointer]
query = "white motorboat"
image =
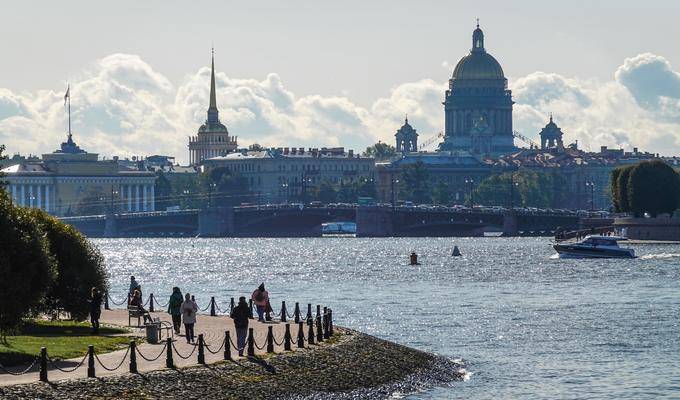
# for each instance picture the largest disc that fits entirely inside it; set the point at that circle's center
(595, 246)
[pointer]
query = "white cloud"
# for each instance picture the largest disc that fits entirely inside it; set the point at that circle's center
(121, 105)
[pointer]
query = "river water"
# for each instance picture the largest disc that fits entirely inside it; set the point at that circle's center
(525, 324)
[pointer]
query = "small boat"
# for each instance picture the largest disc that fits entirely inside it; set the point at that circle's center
(456, 252)
(595, 246)
(338, 228)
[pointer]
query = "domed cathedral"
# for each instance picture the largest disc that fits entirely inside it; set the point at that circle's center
(212, 139)
(478, 104)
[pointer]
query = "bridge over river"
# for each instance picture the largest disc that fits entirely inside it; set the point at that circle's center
(299, 221)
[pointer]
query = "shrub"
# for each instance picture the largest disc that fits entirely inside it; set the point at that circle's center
(622, 188)
(27, 268)
(79, 263)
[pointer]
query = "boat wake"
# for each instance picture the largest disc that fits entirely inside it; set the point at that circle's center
(660, 256)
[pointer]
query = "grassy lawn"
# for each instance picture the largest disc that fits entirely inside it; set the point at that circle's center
(63, 339)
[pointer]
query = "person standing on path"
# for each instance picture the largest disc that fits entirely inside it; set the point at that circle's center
(95, 309)
(189, 310)
(174, 305)
(240, 314)
(261, 299)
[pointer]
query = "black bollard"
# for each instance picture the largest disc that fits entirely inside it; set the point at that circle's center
(212, 307)
(318, 311)
(227, 345)
(283, 311)
(151, 302)
(90, 361)
(319, 330)
(43, 364)
(231, 305)
(201, 349)
(106, 301)
(250, 306)
(251, 342)
(169, 363)
(310, 333)
(297, 312)
(133, 357)
(301, 335)
(330, 322)
(270, 339)
(286, 338)
(309, 313)
(325, 324)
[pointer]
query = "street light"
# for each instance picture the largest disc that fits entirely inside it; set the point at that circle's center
(513, 184)
(114, 192)
(393, 199)
(210, 189)
(591, 185)
(285, 189)
(471, 182)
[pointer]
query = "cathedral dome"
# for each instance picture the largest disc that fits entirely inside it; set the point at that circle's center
(478, 64)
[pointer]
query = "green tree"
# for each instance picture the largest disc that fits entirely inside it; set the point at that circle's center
(365, 188)
(223, 188)
(415, 184)
(327, 194)
(27, 268)
(442, 193)
(347, 193)
(80, 267)
(94, 202)
(622, 188)
(380, 151)
(163, 192)
(614, 177)
(653, 187)
(527, 188)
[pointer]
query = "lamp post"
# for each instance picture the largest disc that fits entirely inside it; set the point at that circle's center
(210, 189)
(512, 190)
(114, 192)
(285, 189)
(591, 185)
(393, 182)
(471, 182)
(186, 192)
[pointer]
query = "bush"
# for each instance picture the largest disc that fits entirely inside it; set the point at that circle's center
(653, 187)
(622, 188)
(27, 268)
(80, 267)
(614, 184)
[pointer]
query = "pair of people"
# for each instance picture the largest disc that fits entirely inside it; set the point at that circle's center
(241, 315)
(183, 309)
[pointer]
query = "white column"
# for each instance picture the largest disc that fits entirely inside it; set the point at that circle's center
(14, 193)
(153, 198)
(39, 188)
(129, 197)
(30, 195)
(47, 198)
(144, 203)
(23, 195)
(136, 197)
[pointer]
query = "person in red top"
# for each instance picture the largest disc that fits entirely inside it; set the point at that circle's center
(261, 299)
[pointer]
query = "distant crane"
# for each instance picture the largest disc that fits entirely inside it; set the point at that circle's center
(526, 140)
(430, 140)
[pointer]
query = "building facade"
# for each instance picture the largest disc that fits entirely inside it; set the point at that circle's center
(478, 104)
(279, 175)
(212, 139)
(71, 180)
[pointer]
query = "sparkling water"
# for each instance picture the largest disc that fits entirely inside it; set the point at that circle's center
(525, 324)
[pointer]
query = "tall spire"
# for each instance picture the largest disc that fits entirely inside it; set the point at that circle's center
(213, 114)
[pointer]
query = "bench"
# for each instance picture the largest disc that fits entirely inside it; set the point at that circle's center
(135, 312)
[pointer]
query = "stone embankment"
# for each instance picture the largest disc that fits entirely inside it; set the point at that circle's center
(350, 365)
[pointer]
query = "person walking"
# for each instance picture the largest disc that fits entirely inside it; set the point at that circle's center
(95, 309)
(189, 310)
(174, 308)
(240, 314)
(261, 299)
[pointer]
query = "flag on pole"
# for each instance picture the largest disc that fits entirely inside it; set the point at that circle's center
(67, 95)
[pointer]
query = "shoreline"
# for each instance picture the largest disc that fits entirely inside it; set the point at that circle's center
(349, 365)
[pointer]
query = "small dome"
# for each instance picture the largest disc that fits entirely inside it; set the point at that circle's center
(478, 65)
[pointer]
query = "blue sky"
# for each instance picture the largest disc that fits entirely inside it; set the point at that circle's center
(305, 73)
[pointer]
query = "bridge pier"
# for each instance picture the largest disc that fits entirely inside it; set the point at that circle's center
(510, 224)
(216, 222)
(374, 222)
(110, 226)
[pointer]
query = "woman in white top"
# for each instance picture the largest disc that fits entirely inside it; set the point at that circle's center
(189, 310)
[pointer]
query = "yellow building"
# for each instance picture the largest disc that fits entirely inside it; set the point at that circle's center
(71, 181)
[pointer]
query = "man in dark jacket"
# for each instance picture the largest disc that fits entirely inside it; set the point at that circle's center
(240, 314)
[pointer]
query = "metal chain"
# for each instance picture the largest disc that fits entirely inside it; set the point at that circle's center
(115, 303)
(155, 358)
(180, 355)
(22, 372)
(258, 347)
(233, 344)
(282, 340)
(206, 308)
(118, 366)
(216, 351)
(159, 304)
(54, 364)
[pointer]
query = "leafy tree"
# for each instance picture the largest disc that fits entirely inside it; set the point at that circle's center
(622, 188)
(414, 183)
(365, 188)
(162, 192)
(380, 151)
(527, 188)
(223, 188)
(255, 147)
(80, 267)
(347, 193)
(442, 193)
(27, 268)
(327, 194)
(614, 188)
(94, 202)
(653, 187)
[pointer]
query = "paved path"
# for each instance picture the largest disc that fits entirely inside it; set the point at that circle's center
(212, 328)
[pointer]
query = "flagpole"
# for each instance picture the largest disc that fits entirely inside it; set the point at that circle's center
(69, 111)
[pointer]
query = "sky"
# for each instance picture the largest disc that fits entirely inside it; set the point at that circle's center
(310, 73)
